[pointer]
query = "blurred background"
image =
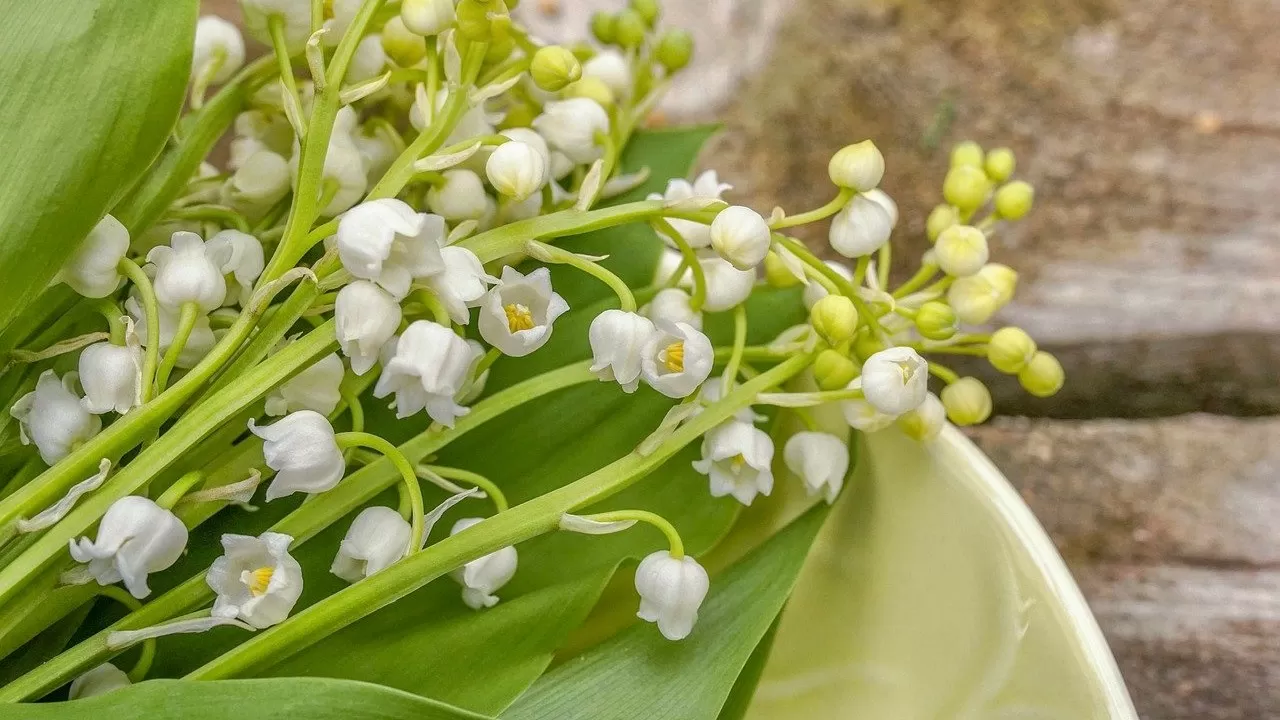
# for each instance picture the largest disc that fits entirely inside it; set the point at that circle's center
(1150, 266)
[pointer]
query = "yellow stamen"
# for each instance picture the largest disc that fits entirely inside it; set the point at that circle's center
(518, 317)
(673, 357)
(737, 462)
(259, 579)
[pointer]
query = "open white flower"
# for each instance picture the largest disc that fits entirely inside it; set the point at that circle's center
(483, 577)
(462, 284)
(301, 448)
(239, 256)
(707, 185)
(862, 415)
(217, 41)
(570, 126)
(112, 376)
(460, 197)
(895, 380)
(671, 305)
(256, 579)
(861, 227)
(378, 537)
(135, 538)
(517, 314)
(671, 591)
(53, 418)
(98, 681)
(365, 318)
(186, 271)
(386, 242)
(315, 388)
(741, 236)
(813, 292)
(427, 367)
(617, 341)
(727, 286)
(517, 169)
(820, 460)
(199, 342)
(676, 359)
(92, 270)
(737, 457)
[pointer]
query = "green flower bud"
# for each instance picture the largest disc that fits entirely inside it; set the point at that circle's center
(511, 4)
(926, 421)
(865, 345)
(402, 46)
(500, 47)
(967, 401)
(999, 164)
(966, 154)
(675, 50)
(936, 321)
(777, 273)
(833, 371)
(630, 29)
(940, 218)
(554, 67)
(961, 250)
(473, 18)
(857, 167)
(1013, 201)
(1043, 376)
(834, 318)
(647, 9)
(1010, 350)
(966, 187)
(604, 27)
(592, 88)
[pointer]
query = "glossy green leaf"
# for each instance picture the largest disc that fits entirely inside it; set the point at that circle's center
(91, 91)
(744, 688)
(640, 674)
(281, 699)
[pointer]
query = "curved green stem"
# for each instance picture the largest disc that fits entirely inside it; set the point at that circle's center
(391, 452)
(275, 26)
(739, 345)
(917, 281)
(186, 323)
(644, 516)
(836, 205)
(552, 254)
(690, 259)
(148, 656)
(114, 317)
(883, 262)
(493, 491)
(437, 309)
(219, 213)
(179, 489)
(943, 373)
(151, 308)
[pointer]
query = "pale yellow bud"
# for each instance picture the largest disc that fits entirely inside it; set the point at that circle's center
(858, 167)
(554, 67)
(926, 421)
(966, 154)
(834, 318)
(1003, 279)
(833, 371)
(936, 321)
(966, 187)
(940, 218)
(1010, 350)
(402, 46)
(961, 250)
(1000, 164)
(776, 272)
(1013, 201)
(1043, 376)
(592, 88)
(967, 401)
(866, 345)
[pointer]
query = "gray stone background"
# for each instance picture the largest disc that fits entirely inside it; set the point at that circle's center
(1151, 265)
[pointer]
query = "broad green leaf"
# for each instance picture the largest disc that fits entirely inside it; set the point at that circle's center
(744, 688)
(933, 592)
(281, 699)
(91, 90)
(640, 674)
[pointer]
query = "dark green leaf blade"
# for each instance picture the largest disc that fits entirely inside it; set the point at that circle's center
(92, 89)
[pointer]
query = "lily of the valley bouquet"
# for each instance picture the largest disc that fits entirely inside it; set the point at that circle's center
(404, 374)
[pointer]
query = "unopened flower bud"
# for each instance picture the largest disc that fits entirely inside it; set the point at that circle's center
(483, 577)
(961, 250)
(936, 321)
(1013, 201)
(858, 167)
(474, 23)
(866, 345)
(217, 41)
(820, 460)
(185, 273)
(675, 50)
(517, 169)
(647, 9)
(604, 27)
(834, 318)
(895, 380)
(926, 421)
(611, 68)
(1010, 350)
(460, 197)
(940, 218)
(98, 681)
(966, 187)
(401, 45)
(966, 154)
(974, 299)
(1043, 375)
(427, 17)
(1003, 279)
(671, 305)
(590, 88)
(860, 228)
(740, 236)
(570, 126)
(630, 29)
(832, 370)
(554, 67)
(999, 164)
(93, 270)
(967, 401)
(777, 273)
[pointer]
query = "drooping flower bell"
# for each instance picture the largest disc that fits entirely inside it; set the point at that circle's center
(186, 271)
(617, 341)
(459, 197)
(199, 342)
(135, 538)
(240, 258)
(672, 305)
(378, 537)
(52, 417)
(820, 460)
(303, 451)
(316, 388)
(517, 169)
(676, 359)
(92, 270)
(386, 242)
(862, 415)
(112, 375)
(737, 458)
(295, 18)
(256, 579)
(517, 314)
(365, 318)
(98, 681)
(611, 68)
(427, 368)
(740, 236)
(895, 380)
(727, 286)
(462, 284)
(570, 126)
(483, 577)
(217, 41)
(705, 186)
(860, 228)
(671, 592)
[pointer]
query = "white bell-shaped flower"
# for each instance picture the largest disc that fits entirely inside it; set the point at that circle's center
(516, 169)
(882, 199)
(676, 359)
(517, 314)
(52, 417)
(820, 460)
(386, 242)
(813, 292)
(860, 228)
(706, 186)
(315, 388)
(240, 258)
(98, 681)
(975, 299)
(428, 17)
(895, 380)
(483, 577)
(532, 139)
(92, 270)
(136, 537)
(671, 305)
(111, 376)
(926, 421)
(365, 318)
(617, 341)
(459, 197)
(741, 236)
(737, 457)
(727, 286)
(378, 537)
(462, 284)
(217, 41)
(862, 415)
(427, 367)
(368, 61)
(259, 182)
(295, 16)
(671, 591)
(256, 579)
(186, 271)
(570, 126)
(199, 342)
(301, 448)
